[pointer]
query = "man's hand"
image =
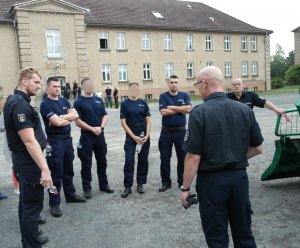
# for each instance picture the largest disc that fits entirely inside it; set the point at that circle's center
(46, 180)
(138, 140)
(144, 140)
(279, 111)
(183, 197)
(97, 131)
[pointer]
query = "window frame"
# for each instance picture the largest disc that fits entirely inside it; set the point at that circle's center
(146, 40)
(106, 72)
(227, 69)
(168, 46)
(106, 38)
(254, 41)
(190, 69)
(244, 43)
(169, 70)
(256, 68)
(189, 42)
(122, 70)
(121, 41)
(54, 55)
(147, 72)
(227, 43)
(208, 43)
(245, 65)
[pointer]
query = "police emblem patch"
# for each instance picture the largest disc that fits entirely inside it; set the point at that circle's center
(21, 118)
(187, 135)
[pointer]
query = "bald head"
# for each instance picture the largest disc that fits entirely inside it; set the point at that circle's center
(212, 75)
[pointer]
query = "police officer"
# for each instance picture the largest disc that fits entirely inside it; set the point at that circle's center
(135, 119)
(57, 115)
(222, 135)
(250, 98)
(173, 106)
(92, 121)
(26, 140)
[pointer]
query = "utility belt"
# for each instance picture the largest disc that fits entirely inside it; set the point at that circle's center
(59, 136)
(137, 125)
(173, 129)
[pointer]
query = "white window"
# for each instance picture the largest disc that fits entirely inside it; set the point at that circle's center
(254, 68)
(244, 68)
(157, 15)
(189, 42)
(190, 70)
(227, 43)
(244, 45)
(122, 72)
(106, 74)
(121, 44)
(146, 42)
(208, 42)
(103, 40)
(147, 71)
(227, 69)
(253, 43)
(53, 43)
(209, 63)
(169, 70)
(168, 42)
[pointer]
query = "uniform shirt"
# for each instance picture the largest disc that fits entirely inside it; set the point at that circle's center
(51, 107)
(134, 111)
(18, 115)
(221, 131)
(181, 99)
(90, 110)
(249, 98)
(108, 92)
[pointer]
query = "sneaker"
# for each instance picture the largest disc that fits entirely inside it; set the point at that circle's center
(140, 189)
(3, 196)
(55, 211)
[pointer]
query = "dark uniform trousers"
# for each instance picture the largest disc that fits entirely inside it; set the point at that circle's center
(143, 163)
(224, 197)
(61, 166)
(91, 143)
(168, 137)
(31, 197)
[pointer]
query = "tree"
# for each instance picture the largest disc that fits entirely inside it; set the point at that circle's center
(290, 59)
(278, 63)
(293, 74)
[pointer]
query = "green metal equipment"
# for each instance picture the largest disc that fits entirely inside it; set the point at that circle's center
(286, 160)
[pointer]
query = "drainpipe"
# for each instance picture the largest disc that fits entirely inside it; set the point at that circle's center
(265, 48)
(17, 45)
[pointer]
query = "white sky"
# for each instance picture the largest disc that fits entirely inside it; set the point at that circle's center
(279, 16)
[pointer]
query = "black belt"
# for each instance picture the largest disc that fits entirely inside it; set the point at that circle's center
(136, 125)
(221, 170)
(59, 136)
(173, 129)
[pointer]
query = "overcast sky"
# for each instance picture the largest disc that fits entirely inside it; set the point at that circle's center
(279, 16)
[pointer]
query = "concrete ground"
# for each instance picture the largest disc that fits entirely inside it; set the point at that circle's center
(157, 219)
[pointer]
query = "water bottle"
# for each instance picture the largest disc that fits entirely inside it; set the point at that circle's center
(139, 146)
(79, 146)
(53, 190)
(48, 150)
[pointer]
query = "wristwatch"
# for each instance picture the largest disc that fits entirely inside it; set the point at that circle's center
(102, 129)
(184, 190)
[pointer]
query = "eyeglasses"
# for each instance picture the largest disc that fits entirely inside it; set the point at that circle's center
(201, 81)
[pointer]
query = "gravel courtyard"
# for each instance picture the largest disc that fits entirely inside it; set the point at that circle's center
(157, 219)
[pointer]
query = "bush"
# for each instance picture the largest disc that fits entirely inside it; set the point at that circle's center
(277, 83)
(292, 75)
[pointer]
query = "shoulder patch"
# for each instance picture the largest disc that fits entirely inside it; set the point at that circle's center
(21, 118)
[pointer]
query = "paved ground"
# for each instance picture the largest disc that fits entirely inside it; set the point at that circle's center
(157, 219)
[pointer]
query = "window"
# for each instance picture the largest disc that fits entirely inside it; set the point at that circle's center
(244, 46)
(244, 68)
(157, 15)
(146, 42)
(122, 72)
(227, 43)
(209, 63)
(208, 42)
(121, 45)
(104, 40)
(227, 69)
(168, 42)
(169, 70)
(189, 42)
(106, 75)
(253, 43)
(147, 71)
(190, 70)
(53, 43)
(254, 68)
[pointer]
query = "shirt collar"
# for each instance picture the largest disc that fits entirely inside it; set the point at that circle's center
(215, 95)
(19, 92)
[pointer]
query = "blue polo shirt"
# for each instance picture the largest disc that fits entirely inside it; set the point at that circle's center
(90, 110)
(134, 111)
(181, 99)
(58, 107)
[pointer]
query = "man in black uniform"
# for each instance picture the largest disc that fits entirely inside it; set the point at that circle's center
(92, 121)
(250, 98)
(26, 140)
(222, 135)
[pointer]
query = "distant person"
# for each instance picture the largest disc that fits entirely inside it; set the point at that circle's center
(99, 94)
(108, 97)
(75, 89)
(116, 97)
(67, 91)
(79, 91)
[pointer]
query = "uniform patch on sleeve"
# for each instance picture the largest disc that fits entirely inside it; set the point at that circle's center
(187, 135)
(21, 118)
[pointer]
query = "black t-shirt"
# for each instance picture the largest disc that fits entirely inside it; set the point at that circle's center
(134, 111)
(90, 110)
(221, 131)
(249, 98)
(108, 92)
(18, 115)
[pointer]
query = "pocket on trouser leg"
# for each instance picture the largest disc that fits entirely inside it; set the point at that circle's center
(32, 192)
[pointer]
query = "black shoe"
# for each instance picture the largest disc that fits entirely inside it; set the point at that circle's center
(127, 192)
(40, 232)
(164, 187)
(41, 221)
(140, 189)
(55, 211)
(88, 194)
(75, 199)
(43, 240)
(106, 189)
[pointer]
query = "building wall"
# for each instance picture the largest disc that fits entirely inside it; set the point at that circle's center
(297, 47)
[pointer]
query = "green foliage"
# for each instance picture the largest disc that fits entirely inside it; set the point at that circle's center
(292, 75)
(277, 83)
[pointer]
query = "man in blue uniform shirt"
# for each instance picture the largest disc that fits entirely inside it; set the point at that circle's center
(57, 115)
(135, 119)
(92, 121)
(173, 106)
